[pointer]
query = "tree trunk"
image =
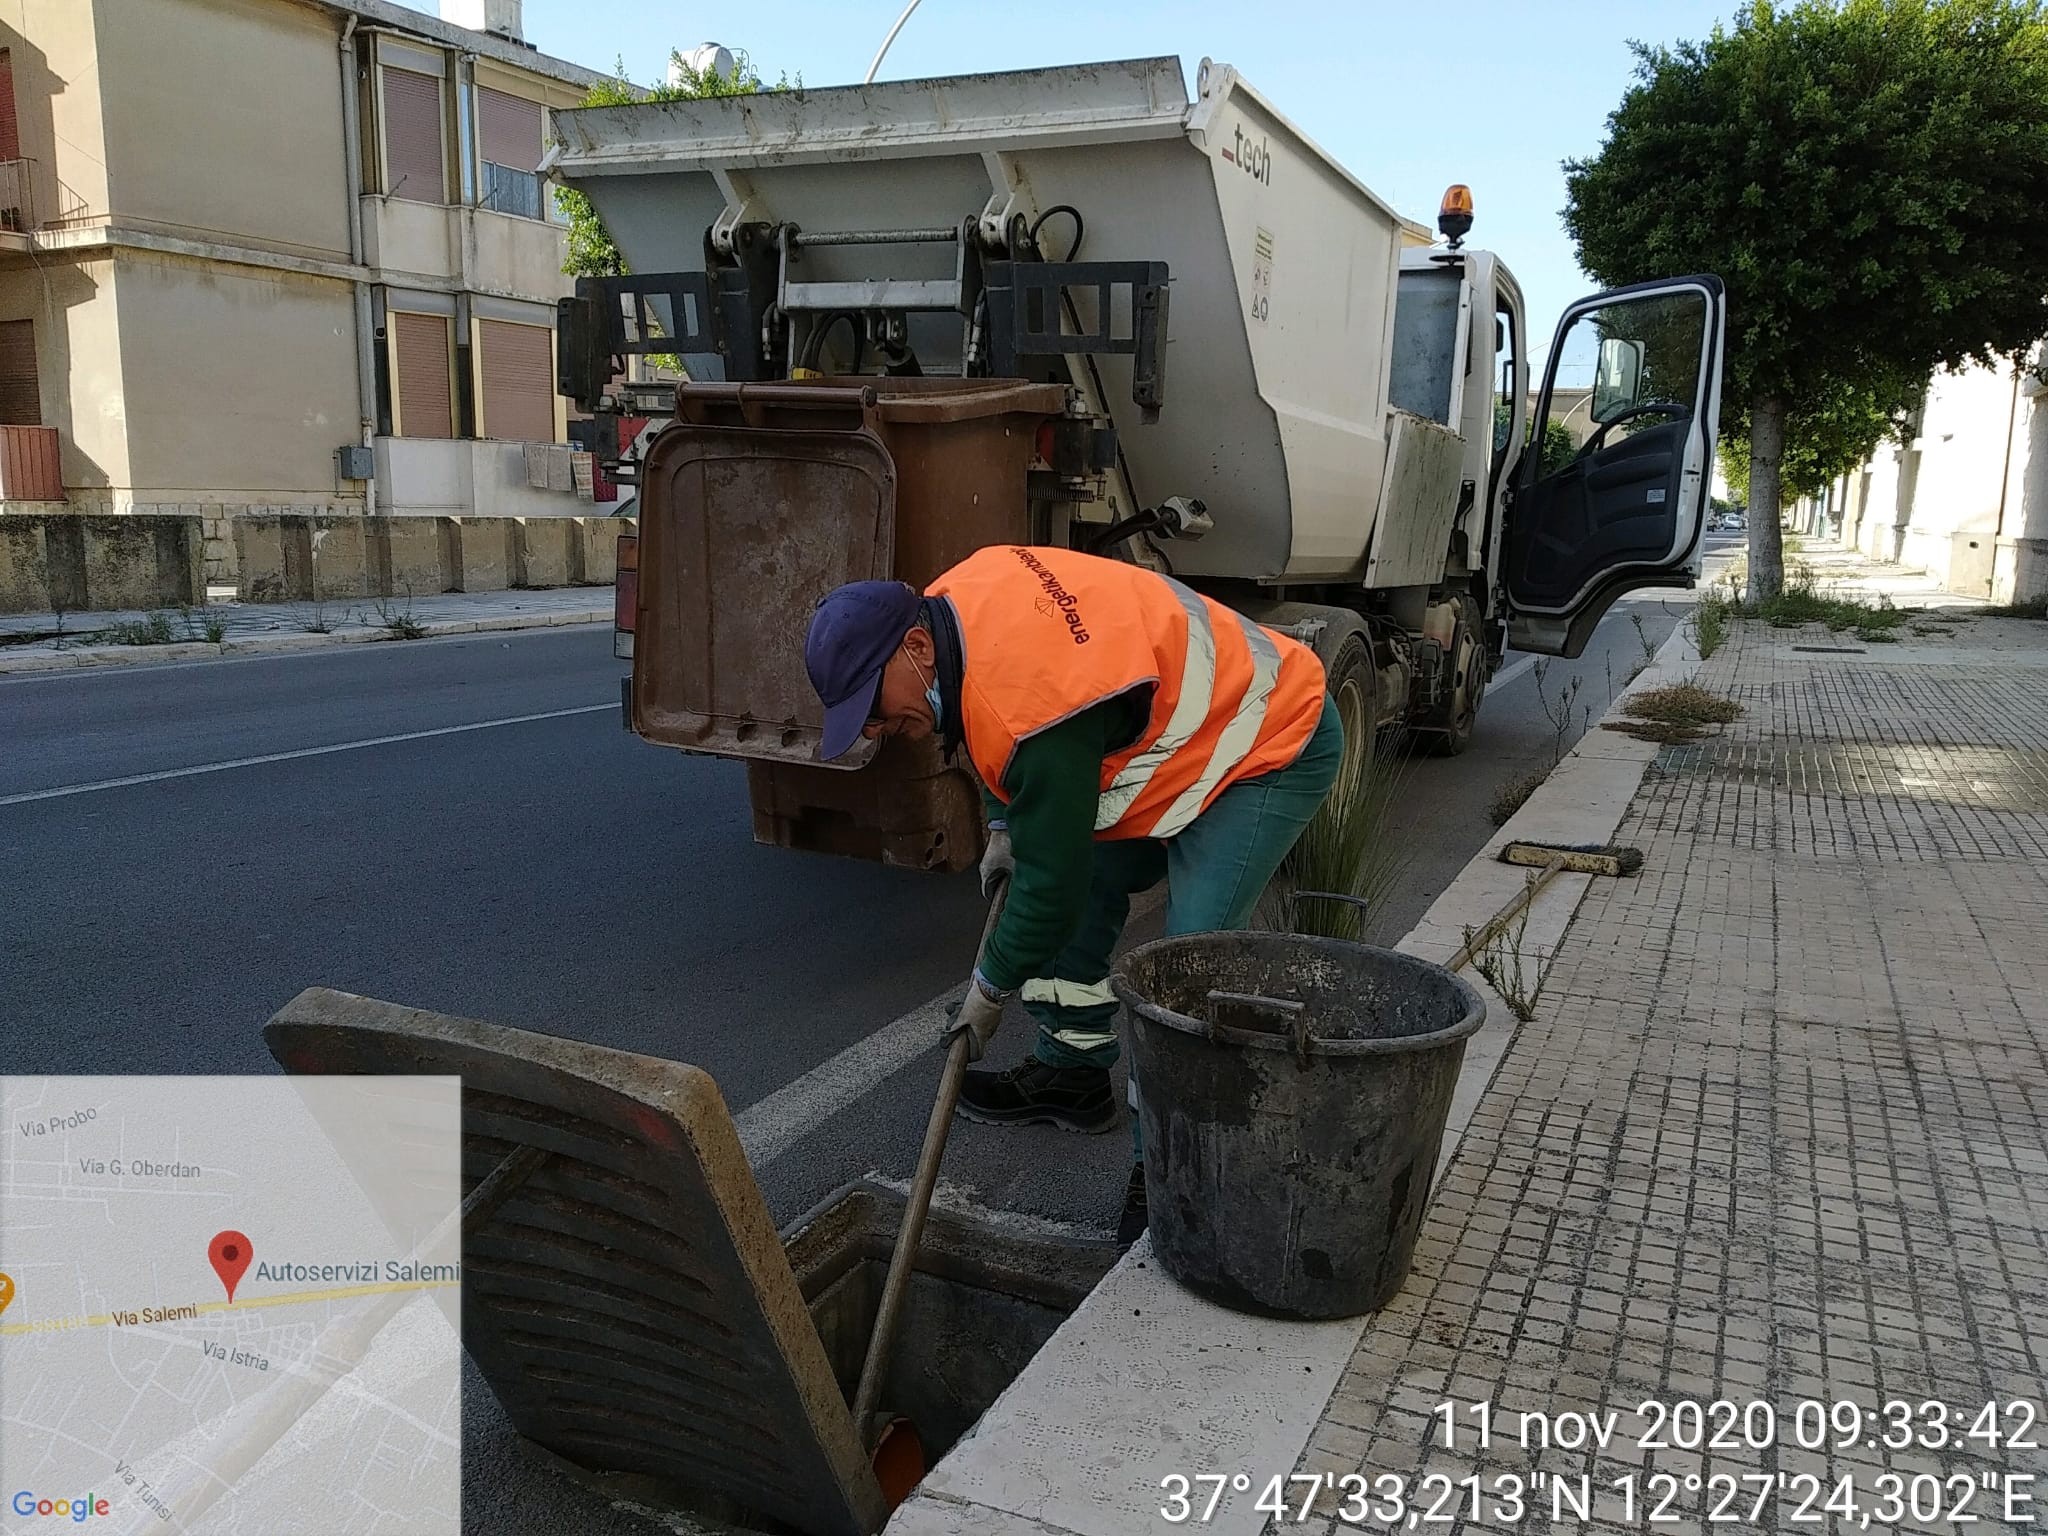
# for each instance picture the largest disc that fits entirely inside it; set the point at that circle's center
(1766, 451)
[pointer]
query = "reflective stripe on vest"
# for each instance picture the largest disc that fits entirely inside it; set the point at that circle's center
(1238, 737)
(1190, 709)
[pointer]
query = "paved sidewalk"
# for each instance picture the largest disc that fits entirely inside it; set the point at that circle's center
(33, 642)
(1778, 1133)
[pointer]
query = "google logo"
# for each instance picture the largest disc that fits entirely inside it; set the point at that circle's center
(77, 1510)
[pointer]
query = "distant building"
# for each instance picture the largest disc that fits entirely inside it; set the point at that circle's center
(238, 237)
(1966, 496)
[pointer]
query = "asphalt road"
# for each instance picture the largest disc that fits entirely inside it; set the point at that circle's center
(533, 864)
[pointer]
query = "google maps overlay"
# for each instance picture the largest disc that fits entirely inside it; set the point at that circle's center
(230, 1306)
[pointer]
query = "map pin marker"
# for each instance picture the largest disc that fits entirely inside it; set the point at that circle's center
(6, 1291)
(229, 1253)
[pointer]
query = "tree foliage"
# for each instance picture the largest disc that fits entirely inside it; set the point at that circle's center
(1835, 429)
(1869, 178)
(591, 252)
(1558, 447)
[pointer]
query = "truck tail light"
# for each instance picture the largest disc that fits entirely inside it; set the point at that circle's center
(625, 595)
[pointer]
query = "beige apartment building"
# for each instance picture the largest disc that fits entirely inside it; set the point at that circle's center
(262, 256)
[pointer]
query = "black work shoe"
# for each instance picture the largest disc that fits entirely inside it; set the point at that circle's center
(1032, 1093)
(1130, 1226)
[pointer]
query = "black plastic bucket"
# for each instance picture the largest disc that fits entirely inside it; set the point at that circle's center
(1293, 1093)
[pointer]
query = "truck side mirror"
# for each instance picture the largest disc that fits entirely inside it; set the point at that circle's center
(1619, 377)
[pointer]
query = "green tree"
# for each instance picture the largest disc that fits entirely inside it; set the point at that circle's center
(591, 252)
(1869, 178)
(1838, 428)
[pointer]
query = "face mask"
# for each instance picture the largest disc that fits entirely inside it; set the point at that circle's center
(931, 695)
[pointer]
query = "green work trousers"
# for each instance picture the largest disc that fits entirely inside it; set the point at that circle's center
(1215, 872)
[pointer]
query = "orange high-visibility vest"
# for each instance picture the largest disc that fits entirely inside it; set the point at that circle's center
(1045, 633)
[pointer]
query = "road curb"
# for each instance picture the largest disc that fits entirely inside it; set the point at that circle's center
(1146, 1380)
(264, 645)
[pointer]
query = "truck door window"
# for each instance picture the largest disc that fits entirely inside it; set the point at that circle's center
(1507, 400)
(1629, 367)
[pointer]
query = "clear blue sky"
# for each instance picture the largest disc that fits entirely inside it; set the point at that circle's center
(1409, 97)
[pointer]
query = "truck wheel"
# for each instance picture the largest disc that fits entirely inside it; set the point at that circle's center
(1354, 686)
(1470, 669)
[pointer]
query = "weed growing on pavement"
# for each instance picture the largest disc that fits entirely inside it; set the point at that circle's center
(1663, 732)
(398, 622)
(1643, 639)
(1513, 795)
(153, 629)
(1932, 629)
(1506, 969)
(210, 627)
(1560, 710)
(1684, 704)
(1674, 715)
(1710, 623)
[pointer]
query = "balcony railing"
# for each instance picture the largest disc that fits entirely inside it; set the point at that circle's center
(17, 202)
(505, 190)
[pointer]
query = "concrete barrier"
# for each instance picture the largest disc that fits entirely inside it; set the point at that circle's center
(82, 562)
(487, 554)
(599, 541)
(550, 552)
(24, 566)
(419, 555)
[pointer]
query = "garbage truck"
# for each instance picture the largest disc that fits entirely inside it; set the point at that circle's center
(1077, 307)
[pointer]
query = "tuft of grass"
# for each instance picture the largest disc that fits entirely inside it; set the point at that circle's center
(1802, 601)
(1684, 704)
(155, 629)
(397, 622)
(1710, 623)
(2031, 608)
(1349, 858)
(1932, 629)
(1877, 637)
(1513, 795)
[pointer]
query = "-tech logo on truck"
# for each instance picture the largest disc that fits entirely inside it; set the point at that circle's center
(1251, 156)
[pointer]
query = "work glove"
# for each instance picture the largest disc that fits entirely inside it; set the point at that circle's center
(979, 1013)
(997, 862)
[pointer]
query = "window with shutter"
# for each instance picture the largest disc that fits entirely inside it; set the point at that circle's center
(415, 164)
(518, 371)
(21, 398)
(509, 142)
(10, 132)
(425, 398)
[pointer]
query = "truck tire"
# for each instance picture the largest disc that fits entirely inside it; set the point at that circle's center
(1344, 647)
(1470, 669)
(1355, 688)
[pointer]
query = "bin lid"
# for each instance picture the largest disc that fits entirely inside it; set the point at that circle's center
(630, 1302)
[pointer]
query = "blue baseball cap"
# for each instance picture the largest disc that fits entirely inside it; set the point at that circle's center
(854, 631)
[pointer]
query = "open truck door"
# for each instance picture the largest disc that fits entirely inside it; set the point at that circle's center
(1635, 376)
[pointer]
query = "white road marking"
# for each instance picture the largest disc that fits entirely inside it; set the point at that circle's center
(285, 757)
(770, 1127)
(1510, 673)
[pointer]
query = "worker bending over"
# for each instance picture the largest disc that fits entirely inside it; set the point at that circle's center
(1126, 729)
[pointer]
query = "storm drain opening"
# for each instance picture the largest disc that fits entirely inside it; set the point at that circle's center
(989, 1290)
(643, 1324)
